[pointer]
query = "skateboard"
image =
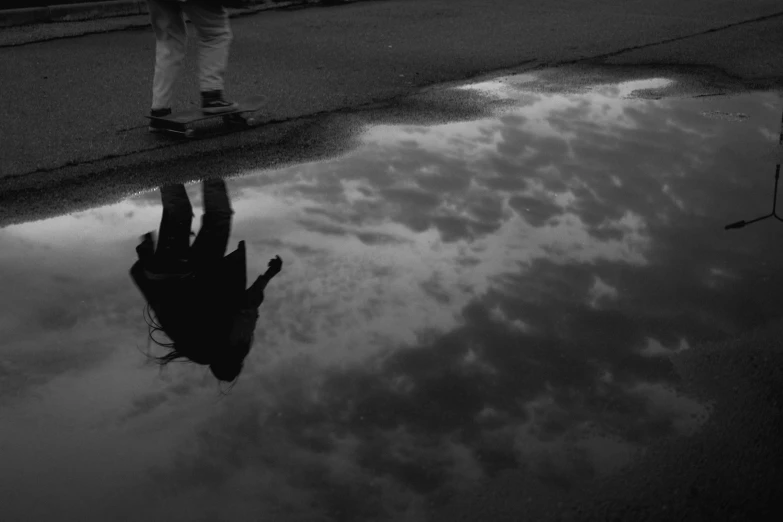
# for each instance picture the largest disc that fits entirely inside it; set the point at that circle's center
(177, 122)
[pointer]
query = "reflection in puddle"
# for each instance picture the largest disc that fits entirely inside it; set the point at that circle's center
(197, 296)
(458, 300)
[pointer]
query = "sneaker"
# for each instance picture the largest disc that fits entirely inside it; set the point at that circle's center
(155, 126)
(212, 102)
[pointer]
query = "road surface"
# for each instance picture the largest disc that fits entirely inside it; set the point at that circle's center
(74, 107)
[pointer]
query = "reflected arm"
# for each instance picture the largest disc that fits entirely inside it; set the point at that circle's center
(255, 294)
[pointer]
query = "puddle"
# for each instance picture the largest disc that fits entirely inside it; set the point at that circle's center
(457, 301)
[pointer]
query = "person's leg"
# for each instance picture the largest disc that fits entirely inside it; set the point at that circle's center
(214, 39)
(212, 239)
(175, 225)
(168, 25)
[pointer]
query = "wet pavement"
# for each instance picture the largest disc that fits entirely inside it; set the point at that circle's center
(459, 302)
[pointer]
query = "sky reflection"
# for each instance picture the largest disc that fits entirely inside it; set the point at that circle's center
(457, 300)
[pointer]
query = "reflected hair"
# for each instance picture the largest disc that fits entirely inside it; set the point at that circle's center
(153, 328)
(174, 354)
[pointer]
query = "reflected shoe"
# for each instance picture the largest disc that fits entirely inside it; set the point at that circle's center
(156, 126)
(212, 102)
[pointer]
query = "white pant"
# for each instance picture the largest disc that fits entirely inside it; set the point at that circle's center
(214, 37)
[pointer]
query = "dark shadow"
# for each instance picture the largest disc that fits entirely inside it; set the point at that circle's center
(774, 213)
(196, 294)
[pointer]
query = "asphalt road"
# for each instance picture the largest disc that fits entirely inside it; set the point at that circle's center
(73, 108)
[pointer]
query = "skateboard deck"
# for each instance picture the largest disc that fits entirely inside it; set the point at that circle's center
(177, 122)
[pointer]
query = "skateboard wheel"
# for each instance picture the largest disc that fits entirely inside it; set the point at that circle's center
(189, 133)
(251, 121)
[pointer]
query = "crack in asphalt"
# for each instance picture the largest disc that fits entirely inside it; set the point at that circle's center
(681, 38)
(133, 25)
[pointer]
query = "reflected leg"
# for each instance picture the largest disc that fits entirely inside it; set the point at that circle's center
(212, 240)
(174, 235)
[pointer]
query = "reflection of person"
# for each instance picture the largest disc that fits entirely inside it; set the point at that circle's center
(211, 22)
(198, 293)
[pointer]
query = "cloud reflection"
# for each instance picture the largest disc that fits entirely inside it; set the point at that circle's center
(554, 254)
(467, 299)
